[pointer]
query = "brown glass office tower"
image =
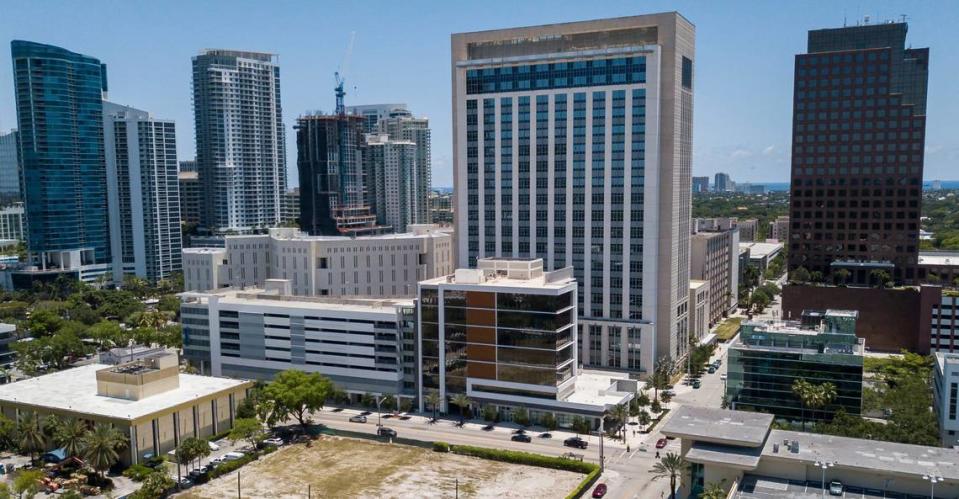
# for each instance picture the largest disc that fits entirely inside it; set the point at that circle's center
(859, 121)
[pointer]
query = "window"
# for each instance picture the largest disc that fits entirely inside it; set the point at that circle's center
(687, 73)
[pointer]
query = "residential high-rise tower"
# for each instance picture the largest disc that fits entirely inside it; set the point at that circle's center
(144, 193)
(9, 167)
(60, 116)
(240, 151)
(572, 143)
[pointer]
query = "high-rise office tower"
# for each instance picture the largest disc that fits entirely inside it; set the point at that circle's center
(402, 125)
(390, 167)
(859, 124)
(190, 203)
(9, 167)
(143, 192)
(240, 151)
(572, 143)
(60, 115)
(722, 183)
(700, 184)
(329, 157)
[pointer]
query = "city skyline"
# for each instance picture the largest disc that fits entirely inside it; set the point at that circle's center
(751, 143)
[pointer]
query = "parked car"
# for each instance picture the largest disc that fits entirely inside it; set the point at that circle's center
(358, 419)
(386, 432)
(217, 460)
(577, 442)
(195, 474)
(697, 384)
(711, 369)
(233, 456)
(661, 443)
(184, 483)
(273, 441)
(599, 491)
(213, 447)
(521, 437)
(722, 377)
(835, 488)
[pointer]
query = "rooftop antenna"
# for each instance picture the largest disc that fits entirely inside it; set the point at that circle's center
(340, 75)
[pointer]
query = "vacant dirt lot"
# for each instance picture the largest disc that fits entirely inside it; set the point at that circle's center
(342, 467)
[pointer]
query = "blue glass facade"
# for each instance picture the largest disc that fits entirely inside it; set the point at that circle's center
(60, 114)
(548, 76)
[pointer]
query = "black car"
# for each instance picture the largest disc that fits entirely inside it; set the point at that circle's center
(521, 437)
(488, 427)
(577, 442)
(386, 432)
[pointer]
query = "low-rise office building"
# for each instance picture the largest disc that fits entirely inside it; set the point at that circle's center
(386, 265)
(505, 335)
(760, 254)
(742, 452)
(148, 400)
(944, 326)
(779, 229)
(699, 309)
(768, 357)
(362, 345)
(8, 336)
(946, 397)
(714, 257)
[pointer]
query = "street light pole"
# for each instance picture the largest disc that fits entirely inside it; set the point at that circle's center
(933, 480)
(824, 466)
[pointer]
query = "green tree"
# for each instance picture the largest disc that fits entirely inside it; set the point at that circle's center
(620, 414)
(521, 416)
(69, 435)
(880, 278)
(197, 449)
(107, 334)
(825, 394)
(799, 275)
(433, 400)
(138, 286)
(656, 407)
(643, 398)
(297, 394)
(249, 430)
(154, 486)
(714, 490)
(816, 276)
(549, 421)
(43, 322)
(579, 425)
(8, 433)
(662, 372)
(30, 436)
(805, 391)
(489, 413)
(51, 425)
(841, 276)
(671, 466)
(643, 418)
(101, 447)
(463, 402)
(26, 483)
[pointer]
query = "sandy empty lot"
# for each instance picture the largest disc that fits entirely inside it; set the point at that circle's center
(344, 467)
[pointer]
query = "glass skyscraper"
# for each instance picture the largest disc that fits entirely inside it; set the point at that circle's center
(572, 143)
(60, 115)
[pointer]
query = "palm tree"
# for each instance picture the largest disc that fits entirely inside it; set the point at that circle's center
(101, 446)
(30, 435)
(842, 275)
(70, 437)
(51, 425)
(670, 466)
(462, 401)
(433, 399)
(714, 490)
(643, 418)
(805, 391)
(620, 413)
(825, 394)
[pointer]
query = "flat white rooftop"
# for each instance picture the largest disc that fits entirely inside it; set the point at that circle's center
(594, 388)
(943, 258)
(260, 298)
(761, 250)
(75, 390)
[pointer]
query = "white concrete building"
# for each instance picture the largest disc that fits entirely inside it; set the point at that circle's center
(698, 309)
(572, 143)
(391, 167)
(946, 397)
(255, 333)
(371, 266)
(143, 193)
(944, 333)
(715, 258)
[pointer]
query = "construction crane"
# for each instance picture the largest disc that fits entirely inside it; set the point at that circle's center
(340, 76)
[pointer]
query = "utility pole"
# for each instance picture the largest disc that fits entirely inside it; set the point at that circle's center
(238, 496)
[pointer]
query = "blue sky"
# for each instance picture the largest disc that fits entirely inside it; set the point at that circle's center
(744, 60)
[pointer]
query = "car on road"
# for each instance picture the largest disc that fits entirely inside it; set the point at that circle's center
(661, 443)
(546, 434)
(358, 419)
(489, 427)
(184, 483)
(577, 442)
(697, 383)
(722, 377)
(273, 441)
(386, 432)
(521, 437)
(599, 491)
(835, 488)
(711, 369)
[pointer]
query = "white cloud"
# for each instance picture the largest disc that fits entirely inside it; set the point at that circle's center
(769, 150)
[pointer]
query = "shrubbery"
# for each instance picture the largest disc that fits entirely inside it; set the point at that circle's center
(519, 457)
(234, 465)
(441, 447)
(137, 472)
(585, 484)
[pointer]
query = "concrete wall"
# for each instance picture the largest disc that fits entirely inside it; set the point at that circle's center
(889, 319)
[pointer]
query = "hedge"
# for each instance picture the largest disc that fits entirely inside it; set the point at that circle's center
(441, 447)
(584, 486)
(519, 457)
(224, 468)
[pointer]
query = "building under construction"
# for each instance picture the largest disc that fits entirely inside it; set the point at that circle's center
(332, 184)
